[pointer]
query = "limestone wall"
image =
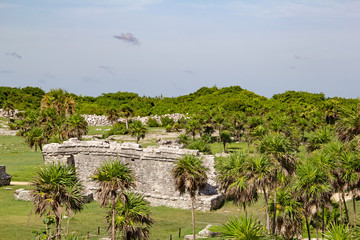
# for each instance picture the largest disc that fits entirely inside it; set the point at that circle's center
(95, 120)
(151, 166)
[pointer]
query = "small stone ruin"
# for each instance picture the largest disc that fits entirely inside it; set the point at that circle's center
(151, 166)
(5, 178)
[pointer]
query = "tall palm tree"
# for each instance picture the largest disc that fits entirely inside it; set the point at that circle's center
(233, 180)
(127, 112)
(57, 190)
(313, 187)
(112, 115)
(279, 149)
(190, 176)
(133, 217)
(60, 100)
(260, 173)
(113, 179)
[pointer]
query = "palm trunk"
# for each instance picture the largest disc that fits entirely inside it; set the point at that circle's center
(354, 207)
(323, 226)
(113, 219)
(316, 223)
(244, 207)
(345, 206)
(274, 218)
(267, 211)
(307, 227)
(220, 139)
(193, 217)
(58, 227)
(340, 208)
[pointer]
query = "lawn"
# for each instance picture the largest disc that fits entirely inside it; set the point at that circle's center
(20, 160)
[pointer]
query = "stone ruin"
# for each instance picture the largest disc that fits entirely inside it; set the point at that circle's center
(5, 178)
(95, 120)
(151, 166)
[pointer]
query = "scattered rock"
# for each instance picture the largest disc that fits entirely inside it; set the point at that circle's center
(5, 178)
(207, 233)
(22, 194)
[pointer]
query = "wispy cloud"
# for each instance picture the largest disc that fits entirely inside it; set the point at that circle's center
(128, 37)
(5, 71)
(188, 72)
(107, 69)
(13, 54)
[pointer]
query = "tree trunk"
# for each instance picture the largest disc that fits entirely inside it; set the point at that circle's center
(58, 227)
(323, 226)
(113, 219)
(220, 139)
(340, 208)
(345, 206)
(274, 218)
(267, 211)
(244, 207)
(127, 123)
(307, 227)
(316, 223)
(193, 216)
(354, 207)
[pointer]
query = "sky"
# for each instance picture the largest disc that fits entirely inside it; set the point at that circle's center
(173, 48)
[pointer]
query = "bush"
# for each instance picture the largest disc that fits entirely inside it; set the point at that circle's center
(208, 138)
(118, 128)
(152, 123)
(166, 121)
(199, 145)
(184, 139)
(243, 228)
(168, 128)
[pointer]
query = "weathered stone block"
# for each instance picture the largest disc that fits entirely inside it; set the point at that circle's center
(5, 178)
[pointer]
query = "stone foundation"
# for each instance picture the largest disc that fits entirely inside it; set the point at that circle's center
(151, 166)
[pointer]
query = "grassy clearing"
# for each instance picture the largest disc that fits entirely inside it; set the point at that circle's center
(167, 220)
(98, 130)
(20, 160)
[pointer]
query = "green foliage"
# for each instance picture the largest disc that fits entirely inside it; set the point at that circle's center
(152, 123)
(200, 145)
(118, 128)
(165, 121)
(338, 232)
(243, 228)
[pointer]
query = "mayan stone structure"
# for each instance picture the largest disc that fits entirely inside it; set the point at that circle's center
(151, 166)
(4, 177)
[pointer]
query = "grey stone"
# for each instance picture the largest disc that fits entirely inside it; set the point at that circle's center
(5, 178)
(207, 233)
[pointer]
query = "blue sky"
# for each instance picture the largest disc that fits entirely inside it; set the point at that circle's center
(172, 48)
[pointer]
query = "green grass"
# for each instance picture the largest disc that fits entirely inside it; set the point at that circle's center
(20, 160)
(98, 130)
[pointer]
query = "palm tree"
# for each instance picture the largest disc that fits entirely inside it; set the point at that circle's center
(76, 126)
(126, 111)
(112, 115)
(348, 125)
(35, 138)
(133, 217)
(233, 180)
(138, 130)
(60, 100)
(190, 176)
(113, 178)
(313, 187)
(278, 148)
(243, 228)
(193, 127)
(57, 190)
(260, 173)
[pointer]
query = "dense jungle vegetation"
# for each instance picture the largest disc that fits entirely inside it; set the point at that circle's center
(302, 148)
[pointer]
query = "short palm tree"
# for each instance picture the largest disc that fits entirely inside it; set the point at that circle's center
(190, 176)
(76, 126)
(113, 178)
(35, 138)
(57, 190)
(243, 228)
(133, 217)
(138, 130)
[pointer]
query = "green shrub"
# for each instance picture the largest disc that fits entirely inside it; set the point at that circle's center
(199, 145)
(166, 121)
(243, 228)
(152, 123)
(118, 128)
(168, 128)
